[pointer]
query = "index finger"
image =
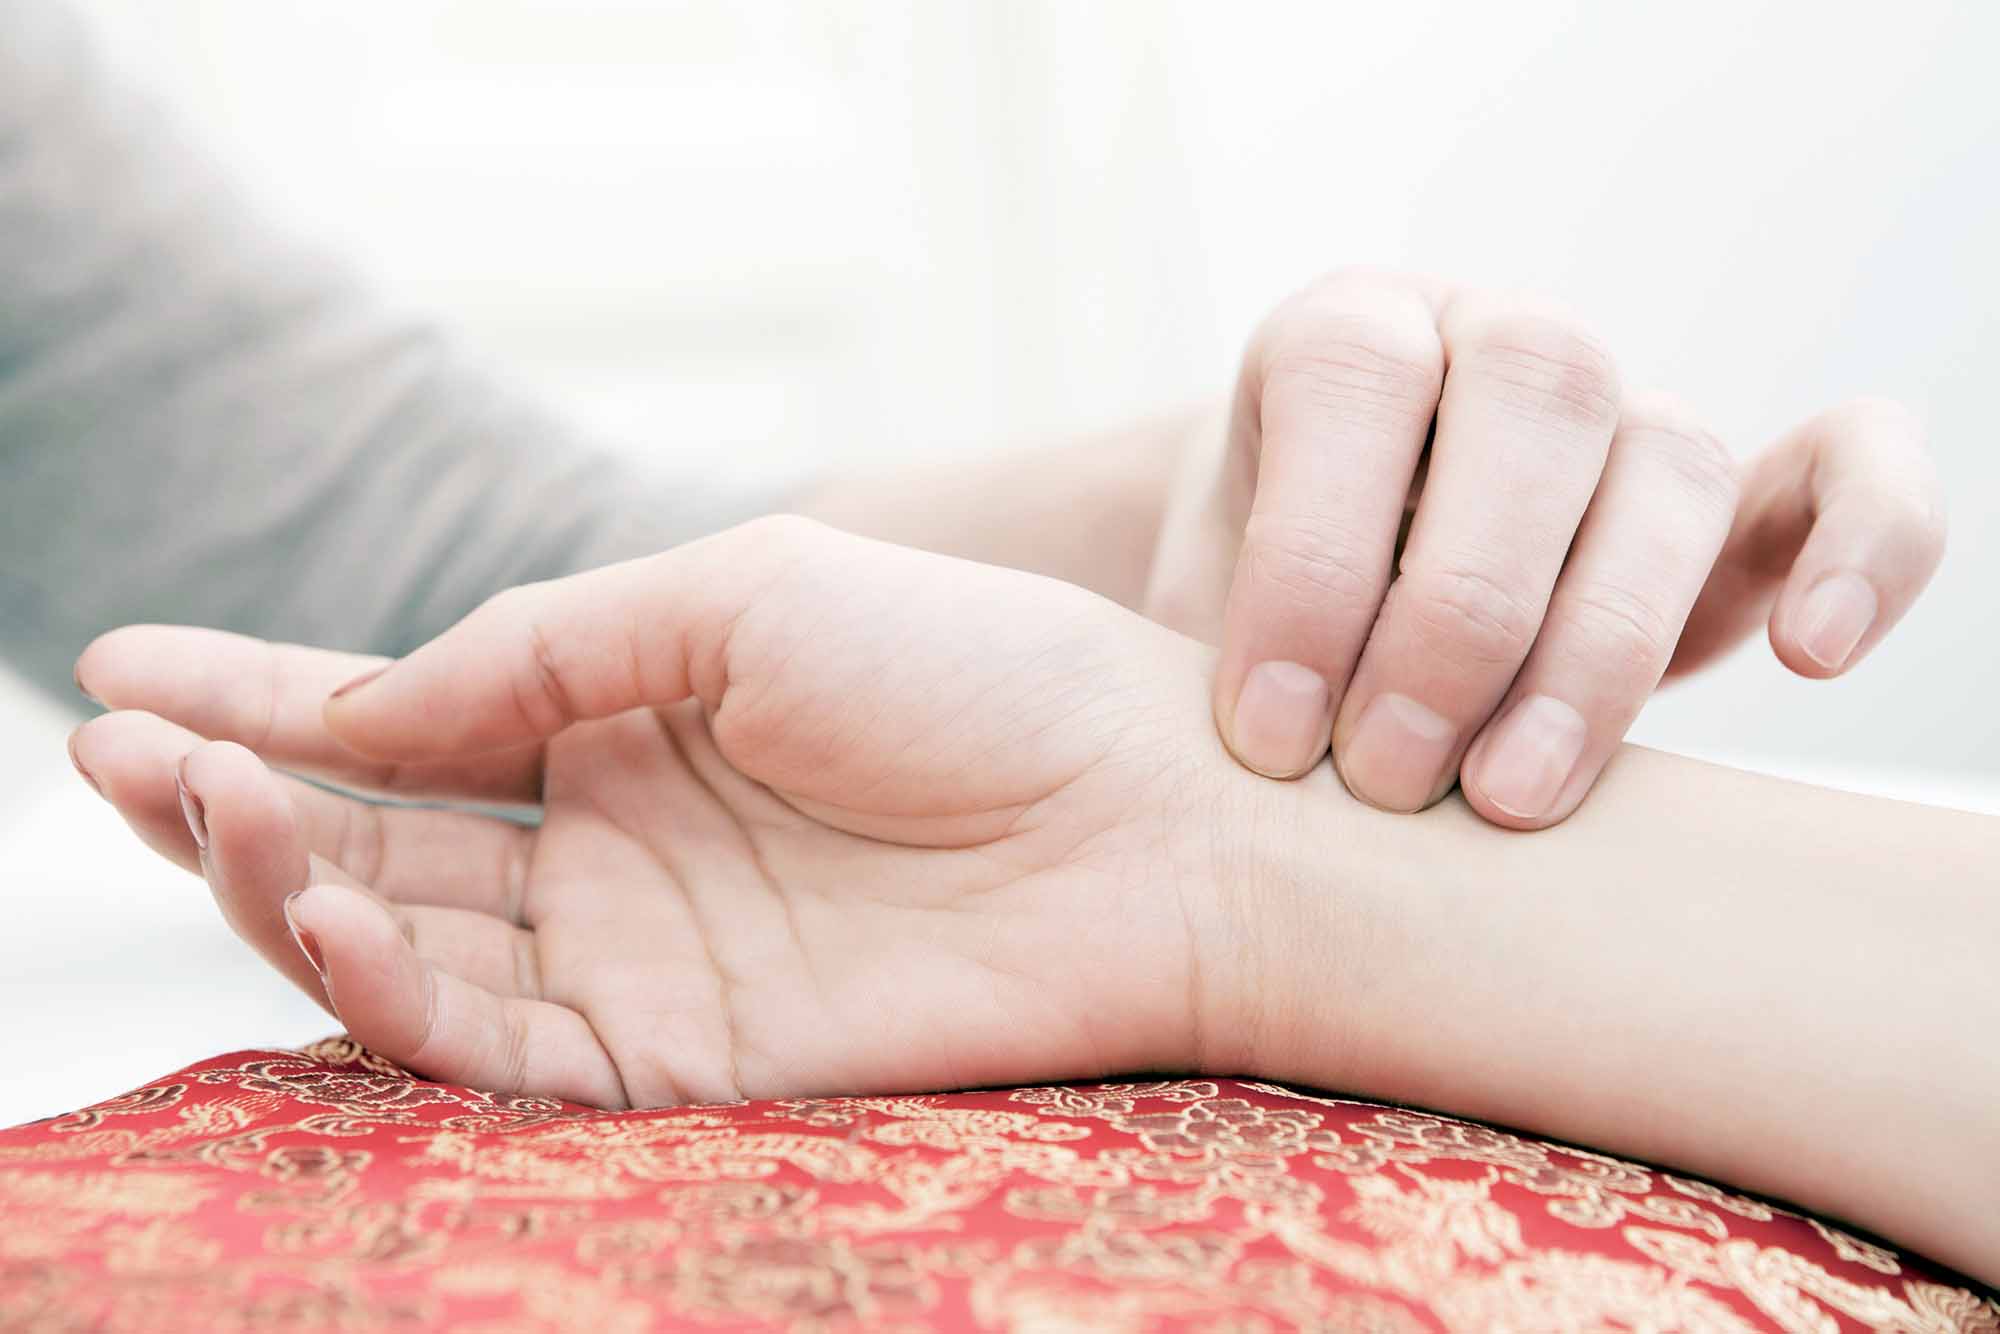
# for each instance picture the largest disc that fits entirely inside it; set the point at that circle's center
(1335, 408)
(269, 698)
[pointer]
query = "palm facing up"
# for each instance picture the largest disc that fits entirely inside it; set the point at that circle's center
(818, 814)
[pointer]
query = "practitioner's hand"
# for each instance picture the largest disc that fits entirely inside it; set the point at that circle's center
(1560, 554)
(818, 814)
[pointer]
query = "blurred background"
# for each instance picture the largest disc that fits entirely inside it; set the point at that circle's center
(791, 238)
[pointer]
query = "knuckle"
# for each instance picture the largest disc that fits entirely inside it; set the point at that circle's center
(1613, 631)
(1310, 565)
(1467, 617)
(1694, 454)
(1547, 368)
(540, 687)
(1351, 362)
(512, 1064)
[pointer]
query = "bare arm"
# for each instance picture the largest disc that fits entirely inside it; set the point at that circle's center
(202, 420)
(1086, 510)
(1793, 990)
(1787, 988)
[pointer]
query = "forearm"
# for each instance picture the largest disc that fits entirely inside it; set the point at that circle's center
(1086, 510)
(1789, 989)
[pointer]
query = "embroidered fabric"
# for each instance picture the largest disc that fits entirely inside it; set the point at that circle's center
(327, 1188)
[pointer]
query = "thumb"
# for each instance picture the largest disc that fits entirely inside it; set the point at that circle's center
(535, 659)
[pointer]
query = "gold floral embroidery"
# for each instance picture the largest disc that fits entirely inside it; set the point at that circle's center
(1848, 1247)
(328, 1189)
(138, 1102)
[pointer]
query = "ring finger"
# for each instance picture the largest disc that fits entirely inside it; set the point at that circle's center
(256, 853)
(1641, 557)
(1523, 429)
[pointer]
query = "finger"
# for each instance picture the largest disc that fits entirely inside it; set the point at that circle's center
(1840, 527)
(535, 659)
(130, 759)
(1523, 429)
(255, 854)
(485, 950)
(271, 698)
(247, 840)
(1331, 415)
(397, 1003)
(1645, 546)
(409, 855)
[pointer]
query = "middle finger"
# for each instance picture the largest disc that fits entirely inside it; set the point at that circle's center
(1523, 429)
(256, 854)
(271, 698)
(446, 859)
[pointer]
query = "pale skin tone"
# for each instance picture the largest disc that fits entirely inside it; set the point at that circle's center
(822, 814)
(1570, 540)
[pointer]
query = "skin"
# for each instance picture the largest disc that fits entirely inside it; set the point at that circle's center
(821, 814)
(846, 787)
(1434, 533)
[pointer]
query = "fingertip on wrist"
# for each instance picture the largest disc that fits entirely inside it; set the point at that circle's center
(1279, 723)
(1397, 755)
(1520, 771)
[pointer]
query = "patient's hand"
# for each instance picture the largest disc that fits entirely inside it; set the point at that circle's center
(818, 814)
(828, 815)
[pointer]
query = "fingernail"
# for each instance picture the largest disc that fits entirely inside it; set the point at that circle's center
(308, 943)
(191, 809)
(1834, 616)
(77, 764)
(360, 680)
(1531, 756)
(76, 675)
(1398, 753)
(1282, 719)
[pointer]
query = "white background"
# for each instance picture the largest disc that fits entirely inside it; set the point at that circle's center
(794, 237)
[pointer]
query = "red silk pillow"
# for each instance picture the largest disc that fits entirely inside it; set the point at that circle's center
(327, 1188)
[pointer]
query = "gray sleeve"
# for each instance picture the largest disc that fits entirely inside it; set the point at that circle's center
(202, 423)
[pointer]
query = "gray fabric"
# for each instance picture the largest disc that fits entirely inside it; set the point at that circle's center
(202, 423)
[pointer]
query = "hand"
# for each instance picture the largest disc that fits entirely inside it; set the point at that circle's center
(818, 814)
(1441, 538)
(894, 822)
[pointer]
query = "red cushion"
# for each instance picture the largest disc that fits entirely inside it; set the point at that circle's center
(329, 1188)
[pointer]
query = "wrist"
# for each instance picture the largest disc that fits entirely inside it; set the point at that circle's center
(1306, 955)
